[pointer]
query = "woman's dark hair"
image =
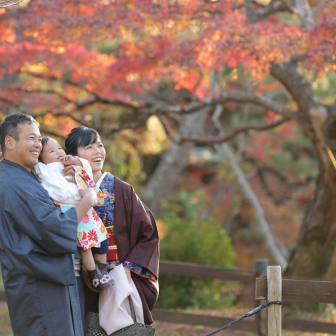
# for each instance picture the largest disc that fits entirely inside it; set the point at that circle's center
(80, 137)
(44, 141)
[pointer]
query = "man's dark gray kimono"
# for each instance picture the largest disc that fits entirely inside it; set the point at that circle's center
(37, 241)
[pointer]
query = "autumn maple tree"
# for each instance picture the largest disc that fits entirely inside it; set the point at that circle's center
(113, 64)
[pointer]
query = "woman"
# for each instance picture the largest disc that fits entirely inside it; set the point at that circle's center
(134, 240)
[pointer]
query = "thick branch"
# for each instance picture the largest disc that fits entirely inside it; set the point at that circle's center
(302, 9)
(273, 7)
(320, 6)
(9, 3)
(78, 106)
(94, 97)
(225, 138)
(313, 115)
(49, 91)
(130, 125)
(237, 97)
(12, 104)
(101, 130)
(45, 131)
(61, 114)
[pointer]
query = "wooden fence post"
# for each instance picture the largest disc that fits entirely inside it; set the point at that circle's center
(274, 293)
(261, 317)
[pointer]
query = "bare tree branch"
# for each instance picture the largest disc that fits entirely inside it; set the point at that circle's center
(302, 9)
(273, 7)
(12, 104)
(78, 105)
(9, 3)
(49, 91)
(164, 108)
(61, 114)
(320, 6)
(172, 162)
(238, 97)
(169, 133)
(225, 151)
(46, 131)
(289, 7)
(95, 98)
(120, 127)
(224, 138)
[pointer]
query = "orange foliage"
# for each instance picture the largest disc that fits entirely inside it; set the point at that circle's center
(153, 41)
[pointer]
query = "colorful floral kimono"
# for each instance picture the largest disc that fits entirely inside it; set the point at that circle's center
(90, 231)
(133, 240)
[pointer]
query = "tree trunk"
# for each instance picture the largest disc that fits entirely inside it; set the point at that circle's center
(172, 162)
(316, 242)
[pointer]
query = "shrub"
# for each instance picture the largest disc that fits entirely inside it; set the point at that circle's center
(193, 237)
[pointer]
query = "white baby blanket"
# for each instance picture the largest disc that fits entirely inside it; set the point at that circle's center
(114, 308)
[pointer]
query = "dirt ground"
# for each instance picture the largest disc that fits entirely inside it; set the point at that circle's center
(171, 329)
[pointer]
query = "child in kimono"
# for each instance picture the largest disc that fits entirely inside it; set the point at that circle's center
(91, 231)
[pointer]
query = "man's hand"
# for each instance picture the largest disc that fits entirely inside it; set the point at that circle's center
(68, 172)
(89, 195)
(89, 199)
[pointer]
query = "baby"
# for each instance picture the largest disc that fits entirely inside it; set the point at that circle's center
(91, 231)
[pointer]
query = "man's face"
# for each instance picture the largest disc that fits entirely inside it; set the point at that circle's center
(26, 150)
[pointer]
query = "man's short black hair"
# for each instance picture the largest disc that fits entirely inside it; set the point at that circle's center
(9, 126)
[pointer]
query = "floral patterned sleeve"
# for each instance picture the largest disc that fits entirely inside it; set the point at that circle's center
(141, 271)
(84, 179)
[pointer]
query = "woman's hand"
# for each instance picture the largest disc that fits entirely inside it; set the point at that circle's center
(68, 172)
(70, 160)
(90, 195)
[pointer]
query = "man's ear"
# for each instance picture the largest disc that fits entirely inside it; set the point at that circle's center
(9, 142)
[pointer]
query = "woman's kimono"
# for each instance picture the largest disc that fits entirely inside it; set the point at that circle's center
(133, 231)
(90, 231)
(37, 241)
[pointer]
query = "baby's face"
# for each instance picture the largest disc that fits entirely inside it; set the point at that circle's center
(52, 152)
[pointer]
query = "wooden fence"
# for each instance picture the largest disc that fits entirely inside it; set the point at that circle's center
(254, 290)
(292, 290)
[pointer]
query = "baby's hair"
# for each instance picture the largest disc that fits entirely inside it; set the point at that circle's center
(44, 141)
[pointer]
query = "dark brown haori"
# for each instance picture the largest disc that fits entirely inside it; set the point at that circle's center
(137, 241)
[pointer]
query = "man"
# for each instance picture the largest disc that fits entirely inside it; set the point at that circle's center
(37, 240)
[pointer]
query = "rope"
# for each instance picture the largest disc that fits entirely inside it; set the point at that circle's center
(250, 313)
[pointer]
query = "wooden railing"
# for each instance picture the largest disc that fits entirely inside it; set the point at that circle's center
(255, 287)
(292, 290)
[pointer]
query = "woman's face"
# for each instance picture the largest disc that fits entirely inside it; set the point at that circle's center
(95, 154)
